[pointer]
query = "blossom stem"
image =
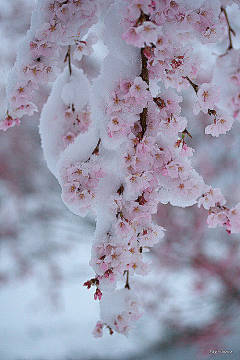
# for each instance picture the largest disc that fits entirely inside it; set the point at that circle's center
(230, 30)
(127, 286)
(96, 150)
(195, 86)
(68, 56)
(185, 132)
(144, 75)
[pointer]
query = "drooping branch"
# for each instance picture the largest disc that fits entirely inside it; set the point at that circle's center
(145, 76)
(230, 30)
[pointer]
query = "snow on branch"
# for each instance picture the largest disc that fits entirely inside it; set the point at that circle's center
(119, 145)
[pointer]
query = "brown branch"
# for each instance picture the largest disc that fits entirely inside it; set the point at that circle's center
(127, 286)
(195, 86)
(96, 150)
(160, 103)
(185, 132)
(68, 56)
(144, 75)
(212, 112)
(230, 30)
(120, 190)
(143, 122)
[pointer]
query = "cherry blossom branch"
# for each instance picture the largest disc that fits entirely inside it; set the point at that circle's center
(145, 77)
(230, 30)
(68, 57)
(143, 136)
(186, 132)
(144, 74)
(127, 286)
(195, 86)
(208, 95)
(96, 150)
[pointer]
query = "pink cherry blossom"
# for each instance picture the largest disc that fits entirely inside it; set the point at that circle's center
(208, 96)
(128, 149)
(98, 294)
(70, 190)
(186, 151)
(222, 123)
(211, 198)
(132, 37)
(68, 138)
(138, 6)
(98, 332)
(148, 32)
(117, 128)
(9, 122)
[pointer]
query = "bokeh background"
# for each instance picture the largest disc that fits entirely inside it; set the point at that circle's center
(191, 297)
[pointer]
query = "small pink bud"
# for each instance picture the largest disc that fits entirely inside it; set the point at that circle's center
(98, 294)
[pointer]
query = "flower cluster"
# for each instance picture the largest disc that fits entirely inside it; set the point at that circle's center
(220, 215)
(171, 62)
(80, 185)
(57, 23)
(146, 24)
(142, 157)
(208, 96)
(84, 47)
(222, 123)
(76, 123)
(124, 106)
(21, 104)
(126, 312)
(109, 261)
(155, 161)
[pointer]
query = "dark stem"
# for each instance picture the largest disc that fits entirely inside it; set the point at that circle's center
(120, 190)
(144, 75)
(68, 56)
(96, 150)
(143, 121)
(127, 286)
(160, 103)
(195, 86)
(212, 112)
(185, 132)
(230, 29)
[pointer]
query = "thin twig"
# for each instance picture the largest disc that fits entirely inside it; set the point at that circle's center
(127, 286)
(195, 86)
(230, 30)
(68, 56)
(144, 75)
(185, 132)
(96, 150)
